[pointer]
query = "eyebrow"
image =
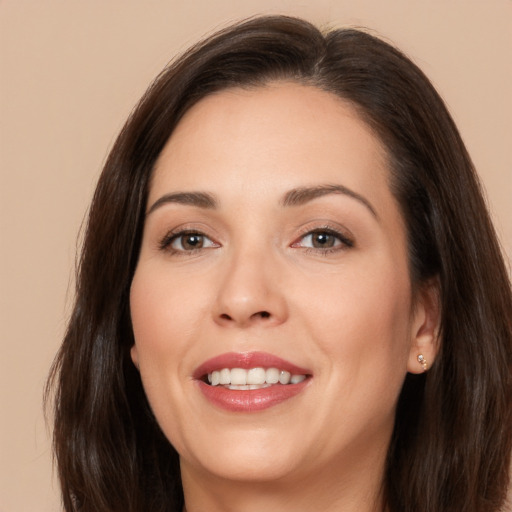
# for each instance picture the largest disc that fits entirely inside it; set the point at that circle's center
(295, 197)
(302, 195)
(199, 199)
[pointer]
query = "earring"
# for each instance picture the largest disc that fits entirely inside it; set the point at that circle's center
(423, 362)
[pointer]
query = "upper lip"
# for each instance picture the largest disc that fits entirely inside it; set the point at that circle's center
(247, 360)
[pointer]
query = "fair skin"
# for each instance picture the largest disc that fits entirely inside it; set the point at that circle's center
(319, 279)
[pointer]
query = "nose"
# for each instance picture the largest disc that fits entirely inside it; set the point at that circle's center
(250, 292)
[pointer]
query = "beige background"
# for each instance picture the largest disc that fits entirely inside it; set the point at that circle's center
(70, 72)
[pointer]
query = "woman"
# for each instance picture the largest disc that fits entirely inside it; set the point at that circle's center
(290, 293)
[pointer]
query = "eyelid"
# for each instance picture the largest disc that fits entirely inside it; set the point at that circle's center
(343, 235)
(172, 235)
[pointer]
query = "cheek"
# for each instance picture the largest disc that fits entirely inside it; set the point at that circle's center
(164, 311)
(151, 315)
(165, 317)
(163, 321)
(361, 322)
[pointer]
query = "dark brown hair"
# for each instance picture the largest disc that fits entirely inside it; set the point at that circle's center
(452, 440)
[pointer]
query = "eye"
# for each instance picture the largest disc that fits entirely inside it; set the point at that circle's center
(324, 239)
(320, 240)
(187, 241)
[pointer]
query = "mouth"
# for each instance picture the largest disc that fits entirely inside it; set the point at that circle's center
(248, 382)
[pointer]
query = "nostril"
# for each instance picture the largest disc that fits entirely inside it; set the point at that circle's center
(260, 315)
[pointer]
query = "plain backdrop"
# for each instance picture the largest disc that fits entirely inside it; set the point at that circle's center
(71, 71)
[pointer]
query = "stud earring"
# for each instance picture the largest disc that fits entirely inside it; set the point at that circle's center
(423, 362)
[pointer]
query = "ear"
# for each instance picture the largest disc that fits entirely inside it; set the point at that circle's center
(425, 327)
(134, 354)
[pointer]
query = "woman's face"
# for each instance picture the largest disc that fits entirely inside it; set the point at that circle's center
(273, 249)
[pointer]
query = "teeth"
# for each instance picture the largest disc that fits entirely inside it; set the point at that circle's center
(295, 379)
(272, 376)
(238, 377)
(225, 376)
(284, 377)
(254, 378)
(249, 386)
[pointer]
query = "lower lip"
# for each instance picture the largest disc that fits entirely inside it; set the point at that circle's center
(250, 400)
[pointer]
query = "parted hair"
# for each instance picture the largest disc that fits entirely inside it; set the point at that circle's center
(450, 449)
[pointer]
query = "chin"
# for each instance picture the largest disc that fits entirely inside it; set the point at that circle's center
(248, 457)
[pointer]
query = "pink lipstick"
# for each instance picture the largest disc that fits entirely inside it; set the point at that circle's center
(250, 381)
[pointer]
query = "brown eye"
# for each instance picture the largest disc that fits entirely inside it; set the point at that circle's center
(187, 241)
(322, 240)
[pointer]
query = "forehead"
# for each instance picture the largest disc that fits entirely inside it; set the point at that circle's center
(283, 133)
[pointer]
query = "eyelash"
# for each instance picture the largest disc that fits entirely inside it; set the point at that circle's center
(345, 241)
(166, 242)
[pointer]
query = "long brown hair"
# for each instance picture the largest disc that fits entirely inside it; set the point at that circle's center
(452, 440)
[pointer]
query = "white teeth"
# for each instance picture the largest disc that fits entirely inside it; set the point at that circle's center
(254, 378)
(284, 377)
(249, 386)
(225, 376)
(272, 376)
(238, 376)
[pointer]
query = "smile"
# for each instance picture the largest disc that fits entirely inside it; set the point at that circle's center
(250, 382)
